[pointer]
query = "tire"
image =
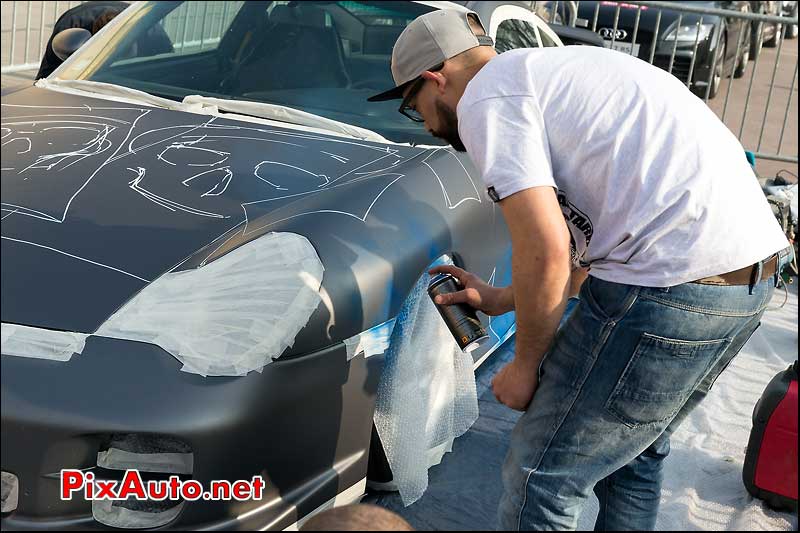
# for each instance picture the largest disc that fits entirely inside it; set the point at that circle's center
(378, 469)
(719, 70)
(741, 64)
(755, 45)
(790, 31)
(776, 37)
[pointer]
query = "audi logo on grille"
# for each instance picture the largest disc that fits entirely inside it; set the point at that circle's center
(608, 33)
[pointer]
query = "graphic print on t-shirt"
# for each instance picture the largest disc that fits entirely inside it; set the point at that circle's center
(580, 230)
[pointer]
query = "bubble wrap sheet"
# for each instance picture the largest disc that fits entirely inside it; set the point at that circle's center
(427, 394)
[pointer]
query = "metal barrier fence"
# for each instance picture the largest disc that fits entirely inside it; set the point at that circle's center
(26, 28)
(658, 44)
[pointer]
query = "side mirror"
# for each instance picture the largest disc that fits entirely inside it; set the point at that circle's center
(67, 41)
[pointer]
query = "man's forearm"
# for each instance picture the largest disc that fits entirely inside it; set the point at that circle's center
(540, 274)
(540, 286)
(576, 279)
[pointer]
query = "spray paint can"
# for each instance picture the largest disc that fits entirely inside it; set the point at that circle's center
(461, 319)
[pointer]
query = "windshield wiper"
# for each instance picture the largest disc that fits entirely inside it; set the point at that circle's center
(197, 103)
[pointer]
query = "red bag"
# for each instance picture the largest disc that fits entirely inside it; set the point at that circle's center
(770, 463)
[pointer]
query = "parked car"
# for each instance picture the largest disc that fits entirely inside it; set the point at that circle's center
(771, 32)
(167, 212)
(716, 38)
(789, 9)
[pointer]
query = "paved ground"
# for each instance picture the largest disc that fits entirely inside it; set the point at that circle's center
(760, 94)
(465, 488)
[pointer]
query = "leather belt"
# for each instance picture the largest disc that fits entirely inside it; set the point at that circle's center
(744, 276)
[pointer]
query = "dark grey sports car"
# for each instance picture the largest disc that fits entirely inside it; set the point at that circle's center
(233, 208)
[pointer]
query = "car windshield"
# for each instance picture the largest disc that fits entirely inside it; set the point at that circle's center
(324, 58)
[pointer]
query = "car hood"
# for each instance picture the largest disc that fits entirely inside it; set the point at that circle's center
(99, 198)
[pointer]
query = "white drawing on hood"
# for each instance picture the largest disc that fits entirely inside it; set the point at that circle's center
(449, 183)
(189, 146)
(339, 158)
(23, 139)
(76, 257)
(100, 128)
(163, 202)
(215, 190)
(107, 135)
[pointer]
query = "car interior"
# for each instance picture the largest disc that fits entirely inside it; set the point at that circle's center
(322, 57)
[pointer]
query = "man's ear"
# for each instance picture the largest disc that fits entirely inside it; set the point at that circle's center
(438, 78)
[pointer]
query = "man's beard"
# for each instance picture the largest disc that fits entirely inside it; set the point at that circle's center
(449, 126)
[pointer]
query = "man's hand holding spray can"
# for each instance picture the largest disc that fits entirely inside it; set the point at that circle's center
(458, 295)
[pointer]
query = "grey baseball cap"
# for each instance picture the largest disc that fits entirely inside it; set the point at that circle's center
(428, 41)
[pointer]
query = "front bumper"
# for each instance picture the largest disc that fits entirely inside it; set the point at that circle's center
(304, 424)
(683, 55)
(682, 63)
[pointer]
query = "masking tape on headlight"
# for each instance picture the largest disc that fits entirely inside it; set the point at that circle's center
(41, 343)
(233, 315)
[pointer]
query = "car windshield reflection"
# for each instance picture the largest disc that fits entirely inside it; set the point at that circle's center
(324, 58)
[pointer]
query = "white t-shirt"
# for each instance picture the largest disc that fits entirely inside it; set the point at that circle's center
(655, 189)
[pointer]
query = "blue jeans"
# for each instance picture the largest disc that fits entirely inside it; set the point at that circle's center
(625, 370)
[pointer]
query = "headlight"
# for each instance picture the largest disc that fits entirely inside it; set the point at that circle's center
(688, 32)
(231, 316)
(227, 318)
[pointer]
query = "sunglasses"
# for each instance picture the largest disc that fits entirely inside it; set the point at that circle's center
(407, 109)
